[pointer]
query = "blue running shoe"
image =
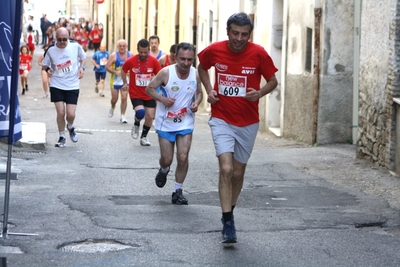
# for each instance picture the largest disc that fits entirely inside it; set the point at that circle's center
(229, 233)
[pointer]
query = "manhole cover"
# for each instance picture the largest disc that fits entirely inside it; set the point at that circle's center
(94, 246)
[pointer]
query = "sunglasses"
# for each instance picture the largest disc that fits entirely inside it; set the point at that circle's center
(62, 39)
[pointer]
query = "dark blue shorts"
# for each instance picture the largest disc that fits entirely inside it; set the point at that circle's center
(100, 76)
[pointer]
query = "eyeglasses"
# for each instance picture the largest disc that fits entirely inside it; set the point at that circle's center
(62, 39)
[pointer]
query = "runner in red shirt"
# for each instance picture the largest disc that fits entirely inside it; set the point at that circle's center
(31, 40)
(239, 65)
(78, 34)
(141, 68)
(25, 65)
(95, 37)
(170, 59)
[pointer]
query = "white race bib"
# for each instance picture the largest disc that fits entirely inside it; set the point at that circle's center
(143, 79)
(23, 66)
(64, 67)
(176, 116)
(232, 85)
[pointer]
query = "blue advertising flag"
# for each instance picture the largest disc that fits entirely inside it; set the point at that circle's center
(10, 33)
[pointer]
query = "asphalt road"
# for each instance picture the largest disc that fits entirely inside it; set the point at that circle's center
(95, 203)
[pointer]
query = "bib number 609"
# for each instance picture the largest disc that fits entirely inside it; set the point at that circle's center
(231, 91)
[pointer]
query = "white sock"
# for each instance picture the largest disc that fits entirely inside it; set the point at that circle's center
(62, 134)
(69, 126)
(177, 186)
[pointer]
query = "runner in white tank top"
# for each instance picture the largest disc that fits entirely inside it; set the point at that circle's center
(178, 100)
(179, 116)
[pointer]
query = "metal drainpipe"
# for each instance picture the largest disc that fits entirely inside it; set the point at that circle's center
(146, 21)
(194, 28)
(156, 26)
(316, 81)
(356, 67)
(178, 6)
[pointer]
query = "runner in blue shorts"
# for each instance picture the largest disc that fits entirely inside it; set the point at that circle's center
(178, 101)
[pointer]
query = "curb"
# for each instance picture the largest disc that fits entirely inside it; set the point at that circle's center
(33, 136)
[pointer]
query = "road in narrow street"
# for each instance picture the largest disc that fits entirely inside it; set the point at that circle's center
(95, 202)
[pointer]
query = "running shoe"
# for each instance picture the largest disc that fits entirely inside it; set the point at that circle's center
(101, 94)
(144, 141)
(135, 132)
(96, 89)
(123, 119)
(178, 198)
(223, 222)
(110, 113)
(161, 178)
(229, 232)
(26, 88)
(61, 142)
(72, 134)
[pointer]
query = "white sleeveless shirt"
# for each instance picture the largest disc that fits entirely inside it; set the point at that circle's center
(179, 116)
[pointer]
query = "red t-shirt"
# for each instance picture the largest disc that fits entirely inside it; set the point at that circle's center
(166, 63)
(30, 42)
(140, 74)
(25, 63)
(234, 73)
(78, 36)
(95, 35)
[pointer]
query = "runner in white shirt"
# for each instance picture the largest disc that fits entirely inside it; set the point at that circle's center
(64, 63)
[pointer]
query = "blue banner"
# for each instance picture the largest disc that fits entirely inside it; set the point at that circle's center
(10, 34)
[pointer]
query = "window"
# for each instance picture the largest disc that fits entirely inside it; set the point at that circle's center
(308, 50)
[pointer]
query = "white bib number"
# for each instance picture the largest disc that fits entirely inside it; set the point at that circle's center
(232, 85)
(176, 116)
(64, 67)
(143, 79)
(23, 66)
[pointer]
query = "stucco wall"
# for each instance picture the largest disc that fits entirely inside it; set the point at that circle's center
(336, 79)
(298, 91)
(298, 103)
(335, 74)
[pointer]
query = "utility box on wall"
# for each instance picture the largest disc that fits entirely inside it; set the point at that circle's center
(277, 36)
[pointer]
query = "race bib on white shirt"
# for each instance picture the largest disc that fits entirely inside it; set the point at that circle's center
(176, 116)
(232, 85)
(64, 67)
(143, 79)
(103, 61)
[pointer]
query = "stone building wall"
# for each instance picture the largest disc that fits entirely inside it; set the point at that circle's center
(379, 81)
